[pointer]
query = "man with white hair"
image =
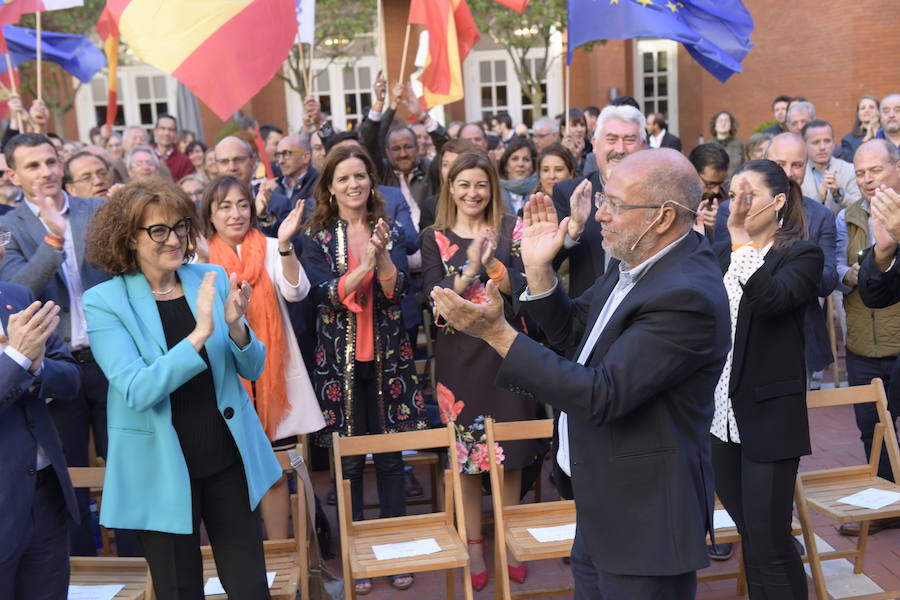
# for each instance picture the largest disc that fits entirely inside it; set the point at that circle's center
(545, 132)
(620, 131)
(799, 114)
(890, 119)
(142, 162)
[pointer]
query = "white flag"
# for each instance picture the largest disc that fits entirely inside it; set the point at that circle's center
(306, 21)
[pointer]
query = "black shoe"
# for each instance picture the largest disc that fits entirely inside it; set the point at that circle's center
(720, 551)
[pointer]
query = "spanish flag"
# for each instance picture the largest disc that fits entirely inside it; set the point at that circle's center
(109, 34)
(451, 34)
(224, 51)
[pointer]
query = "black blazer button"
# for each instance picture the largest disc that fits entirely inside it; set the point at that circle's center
(228, 412)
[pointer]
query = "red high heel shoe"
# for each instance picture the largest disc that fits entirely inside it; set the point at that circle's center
(479, 580)
(518, 574)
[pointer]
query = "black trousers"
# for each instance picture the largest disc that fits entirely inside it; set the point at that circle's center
(37, 568)
(235, 534)
(389, 474)
(593, 583)
(860, 371)
(759, 496)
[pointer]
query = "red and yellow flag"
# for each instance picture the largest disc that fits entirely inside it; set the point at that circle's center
(224, 51)
(108, 31)
(516, 5)
(451, 34)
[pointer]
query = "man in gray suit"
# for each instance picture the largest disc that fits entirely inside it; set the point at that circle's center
(46, 255)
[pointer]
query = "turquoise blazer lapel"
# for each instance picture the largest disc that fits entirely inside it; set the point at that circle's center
(144, 305)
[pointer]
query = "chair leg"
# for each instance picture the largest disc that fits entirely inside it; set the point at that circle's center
(812, 551)
(451, 584)
(467, 581)
(502, 589)
(742, 573)
(861, 543)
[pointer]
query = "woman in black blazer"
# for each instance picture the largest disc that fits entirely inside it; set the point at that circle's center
(760, 428)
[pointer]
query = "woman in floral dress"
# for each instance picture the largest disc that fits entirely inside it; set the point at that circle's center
(364, 377)
(471, 242)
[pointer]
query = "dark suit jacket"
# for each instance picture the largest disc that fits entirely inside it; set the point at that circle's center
(640, 410)
(879, 289)
(25, 422)
(822, 232)
(303, 187)
(768, 370)
(586, 259)
(36, 265)
(671, 141)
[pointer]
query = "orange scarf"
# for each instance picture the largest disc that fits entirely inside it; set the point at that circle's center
(264, 316)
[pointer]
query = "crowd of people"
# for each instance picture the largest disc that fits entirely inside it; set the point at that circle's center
(187, 315)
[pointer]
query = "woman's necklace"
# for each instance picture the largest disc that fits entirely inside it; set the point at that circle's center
(164, 292)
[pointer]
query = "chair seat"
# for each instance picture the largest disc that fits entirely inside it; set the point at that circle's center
(453, 554)
(281, 557)
(519, 519)
(111, 570)
(823, 493)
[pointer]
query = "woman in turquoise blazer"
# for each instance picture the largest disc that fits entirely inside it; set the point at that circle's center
(185, 443)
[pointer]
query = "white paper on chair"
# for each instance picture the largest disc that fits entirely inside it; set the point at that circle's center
(93, 592)
(871, 498)
(557, 533)
(722, 520)
(406, 549)
(214, 585)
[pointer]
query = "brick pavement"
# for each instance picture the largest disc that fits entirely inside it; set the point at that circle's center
(835, 443)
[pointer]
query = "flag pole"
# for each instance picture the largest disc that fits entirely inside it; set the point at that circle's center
(304, 72)
(12, 84)
(310, 76)
(568, 129)
(405, 49)
(40, 87)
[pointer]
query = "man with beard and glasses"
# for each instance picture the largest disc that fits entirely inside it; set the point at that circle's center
(711, 163)
(620, 131)
(646, 346)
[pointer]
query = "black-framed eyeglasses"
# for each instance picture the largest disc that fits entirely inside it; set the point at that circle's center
(288, 153)
(160, 232)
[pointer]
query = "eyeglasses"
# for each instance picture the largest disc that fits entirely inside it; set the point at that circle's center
(711, 185)
(237, 160)
(5, 238)
(615, 207)
(160, 232)
(287, 153)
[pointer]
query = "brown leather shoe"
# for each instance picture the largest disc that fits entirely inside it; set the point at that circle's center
(875, 525)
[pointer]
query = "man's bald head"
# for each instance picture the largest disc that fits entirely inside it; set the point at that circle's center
(788, 150)
(664, 175)
(876, 163)
(235, 157)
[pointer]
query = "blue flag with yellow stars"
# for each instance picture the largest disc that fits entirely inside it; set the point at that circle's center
(715, 32)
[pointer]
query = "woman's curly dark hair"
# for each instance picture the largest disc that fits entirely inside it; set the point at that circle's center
(115, 226)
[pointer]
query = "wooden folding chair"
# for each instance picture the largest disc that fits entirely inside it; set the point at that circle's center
(289, 558)
(822, 489)
(359, 537)
(106, 570)
(511, 523)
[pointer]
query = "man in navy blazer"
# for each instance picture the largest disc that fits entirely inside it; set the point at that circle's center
(46, 255)
(650, 338)
(35, 489)
(789, 151)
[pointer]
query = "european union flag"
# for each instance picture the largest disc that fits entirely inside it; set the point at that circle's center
(74, 53)
(715, 32)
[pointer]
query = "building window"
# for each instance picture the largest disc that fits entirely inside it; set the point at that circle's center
(344, 92)
(656, 79)
(491, 72)
(152, 97)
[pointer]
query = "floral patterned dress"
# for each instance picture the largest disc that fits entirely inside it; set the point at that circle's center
(465, 365)
(400, 403)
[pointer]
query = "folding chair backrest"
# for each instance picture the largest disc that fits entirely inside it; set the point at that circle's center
(87, 477)
(861, 394)
(522, 430)
(389, 442)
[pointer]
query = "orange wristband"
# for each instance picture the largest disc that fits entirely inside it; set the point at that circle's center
(54, 240)
(497, 272)
(389, 277)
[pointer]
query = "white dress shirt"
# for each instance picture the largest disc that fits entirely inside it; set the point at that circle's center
(745, 261)
(655, 141)
(627, 280)
(78, 337)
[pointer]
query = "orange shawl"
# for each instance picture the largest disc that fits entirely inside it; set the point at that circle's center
(264, 316)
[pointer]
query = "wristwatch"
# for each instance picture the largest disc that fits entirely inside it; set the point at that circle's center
(287, 252)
